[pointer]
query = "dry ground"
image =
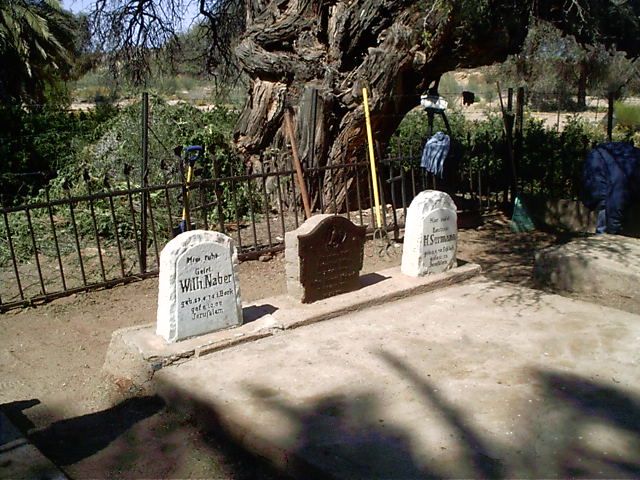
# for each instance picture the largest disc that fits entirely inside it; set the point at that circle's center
(52, 386)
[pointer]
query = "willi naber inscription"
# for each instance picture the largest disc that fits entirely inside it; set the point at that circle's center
(198, 286)
(431, 235)
(323, 258)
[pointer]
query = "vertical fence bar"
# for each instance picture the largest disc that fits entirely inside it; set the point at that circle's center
(358, 194)
(558, 116)
(219, 193)
(280, 205)
(333, 189)
(320, 191)
(117, 234)
(127, 171)
(203, 207)
(396, 227)
(153, 229)
(403, 191)
(266, 208)
(237, 212)
(519, 129)
(14, 260)
(295, 200)
(35, 251)
(167, 199)
(480, 187)
(143, 182)
(346, 197)
(87, 181)
(370, 188)
(55, 238)
(75, 234)
(252, 214)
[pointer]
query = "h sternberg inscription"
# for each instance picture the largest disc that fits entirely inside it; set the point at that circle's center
(438, 241)
(431, 234)
(199, 291)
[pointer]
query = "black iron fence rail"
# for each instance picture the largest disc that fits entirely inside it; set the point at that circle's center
(60, 246)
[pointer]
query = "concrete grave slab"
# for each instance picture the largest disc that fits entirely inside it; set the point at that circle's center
(136, 353)
(199, 290)
(479, 380)
(431, 234)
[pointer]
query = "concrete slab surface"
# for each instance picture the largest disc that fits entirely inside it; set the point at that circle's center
(137, 352)
(598, 264)
(483, 379)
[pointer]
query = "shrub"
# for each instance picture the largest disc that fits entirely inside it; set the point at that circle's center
(627, 116)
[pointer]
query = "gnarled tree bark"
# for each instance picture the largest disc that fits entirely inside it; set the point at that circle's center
(295, 49)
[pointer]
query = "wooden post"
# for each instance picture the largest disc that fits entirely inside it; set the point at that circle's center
(288, 125)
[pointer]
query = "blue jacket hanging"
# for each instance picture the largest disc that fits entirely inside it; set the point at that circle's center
(611, 179)
(434, 153)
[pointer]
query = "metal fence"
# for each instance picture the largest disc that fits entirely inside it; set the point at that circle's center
(59, 246)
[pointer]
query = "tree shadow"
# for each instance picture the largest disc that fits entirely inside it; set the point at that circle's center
(68, 441)
(584, 428)
(340, 435)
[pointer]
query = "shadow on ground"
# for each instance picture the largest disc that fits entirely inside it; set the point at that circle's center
(139, 438)
(577, 427)
(580, 427)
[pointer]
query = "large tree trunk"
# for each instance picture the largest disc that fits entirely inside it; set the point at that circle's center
(295, 50)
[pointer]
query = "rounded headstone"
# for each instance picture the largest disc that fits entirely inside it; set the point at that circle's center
(431, 234)
(199, 291)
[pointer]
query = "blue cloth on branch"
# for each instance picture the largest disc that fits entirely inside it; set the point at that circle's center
(435, 152)
(611, 180)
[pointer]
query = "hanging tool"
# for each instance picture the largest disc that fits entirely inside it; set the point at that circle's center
(380, 235)
(192, 154)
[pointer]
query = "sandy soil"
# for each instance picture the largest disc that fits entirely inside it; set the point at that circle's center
(52, 386)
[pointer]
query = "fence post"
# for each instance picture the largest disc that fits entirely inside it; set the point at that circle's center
(143, 182)
(519, 127)
(558, 99)
(610, 116)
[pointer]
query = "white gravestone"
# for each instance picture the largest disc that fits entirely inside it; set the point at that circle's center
(199, 290)
(431, 235)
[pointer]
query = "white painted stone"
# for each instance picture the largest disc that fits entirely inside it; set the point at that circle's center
(431, 235)
(199, 291)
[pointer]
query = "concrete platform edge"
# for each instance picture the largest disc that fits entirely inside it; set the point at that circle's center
(136, 353)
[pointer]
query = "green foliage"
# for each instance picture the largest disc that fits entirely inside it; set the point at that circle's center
(34, 146)
(627, 116)
(36, 45)
(88, 153)
(559, 71)
(551, 161)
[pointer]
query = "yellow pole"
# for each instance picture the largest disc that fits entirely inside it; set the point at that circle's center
(374, 175)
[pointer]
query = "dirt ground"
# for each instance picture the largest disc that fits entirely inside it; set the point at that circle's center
(52, 387)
